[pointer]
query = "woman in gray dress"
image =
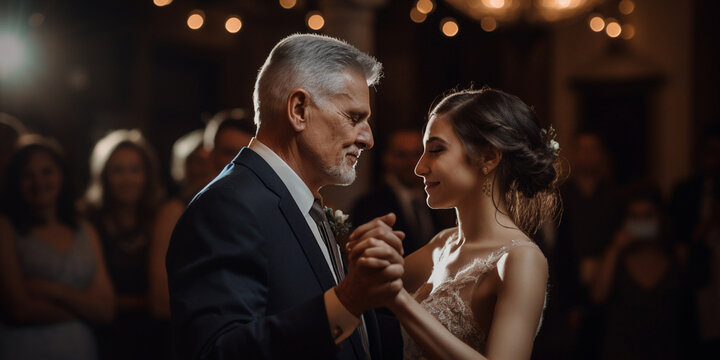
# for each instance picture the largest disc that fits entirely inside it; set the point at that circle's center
(53, 280)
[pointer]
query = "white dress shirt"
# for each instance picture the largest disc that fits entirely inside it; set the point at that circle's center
(338, 315)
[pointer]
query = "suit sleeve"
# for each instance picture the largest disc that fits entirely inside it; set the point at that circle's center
(217, 269)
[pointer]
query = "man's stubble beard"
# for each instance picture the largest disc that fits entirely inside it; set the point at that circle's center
(343, 174)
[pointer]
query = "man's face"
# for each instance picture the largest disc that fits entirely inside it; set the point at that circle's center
(228, 143)
(404, 151)
(338, 131)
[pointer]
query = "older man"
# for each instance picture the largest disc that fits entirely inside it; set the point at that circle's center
(254, 269)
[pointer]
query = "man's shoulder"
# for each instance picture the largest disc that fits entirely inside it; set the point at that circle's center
(237, 184)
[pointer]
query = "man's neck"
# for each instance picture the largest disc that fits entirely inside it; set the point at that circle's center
(290, 153)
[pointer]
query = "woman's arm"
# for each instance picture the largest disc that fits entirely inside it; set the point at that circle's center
(96, 303)
(519, 306)
(158, 295)
(21, 306)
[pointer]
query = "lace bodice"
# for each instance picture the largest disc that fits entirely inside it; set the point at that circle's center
(445, 303)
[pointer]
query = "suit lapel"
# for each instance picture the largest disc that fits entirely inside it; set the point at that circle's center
(292, 214)
(299, 226)
(307, 241)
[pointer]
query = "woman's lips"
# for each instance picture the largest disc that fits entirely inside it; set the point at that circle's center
(431, 184)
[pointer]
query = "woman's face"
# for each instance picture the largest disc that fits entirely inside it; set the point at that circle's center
(126, 176)
(41, 180)
(448, 176)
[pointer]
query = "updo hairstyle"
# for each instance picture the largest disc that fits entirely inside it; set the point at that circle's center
(529, 171)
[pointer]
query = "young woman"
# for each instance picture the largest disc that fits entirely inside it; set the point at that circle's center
(53, 280)
(477, 291)
(123, 199)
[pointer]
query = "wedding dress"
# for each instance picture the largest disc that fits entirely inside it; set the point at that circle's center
(445, 303)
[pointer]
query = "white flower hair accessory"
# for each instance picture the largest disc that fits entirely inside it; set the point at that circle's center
(552, 145)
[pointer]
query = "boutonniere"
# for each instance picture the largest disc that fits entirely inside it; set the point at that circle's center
(339, 224)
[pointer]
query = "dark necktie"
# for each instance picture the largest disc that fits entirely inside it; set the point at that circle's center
(317, 214)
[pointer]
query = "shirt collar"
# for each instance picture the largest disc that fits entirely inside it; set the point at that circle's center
(300, 192)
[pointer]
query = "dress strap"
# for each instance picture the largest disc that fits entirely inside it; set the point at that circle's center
(496, 255)
(482, 265)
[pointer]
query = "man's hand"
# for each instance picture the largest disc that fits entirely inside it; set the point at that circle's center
(375, 266)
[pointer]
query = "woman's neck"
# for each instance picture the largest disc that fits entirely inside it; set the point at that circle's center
(46, 214)
(125, 217)
(482, 217)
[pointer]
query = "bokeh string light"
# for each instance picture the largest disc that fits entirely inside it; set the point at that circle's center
(196, 19)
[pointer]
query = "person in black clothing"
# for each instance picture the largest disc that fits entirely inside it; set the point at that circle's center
(641, 288)
(695, 212)
(122, 202)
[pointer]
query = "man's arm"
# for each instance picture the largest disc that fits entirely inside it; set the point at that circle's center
(217, 268)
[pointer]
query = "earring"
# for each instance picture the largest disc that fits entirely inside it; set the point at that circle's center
(485, 170)
(487, 188)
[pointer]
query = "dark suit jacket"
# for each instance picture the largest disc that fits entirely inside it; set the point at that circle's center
(247, 277)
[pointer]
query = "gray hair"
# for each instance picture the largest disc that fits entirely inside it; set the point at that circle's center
(312, 62)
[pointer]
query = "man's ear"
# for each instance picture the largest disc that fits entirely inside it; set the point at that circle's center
(297, 108)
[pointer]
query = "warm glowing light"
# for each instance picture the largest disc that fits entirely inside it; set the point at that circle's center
(425, 6)
(613, 29)
(495, 4)
(449, 27)
(36, 19)
(563, 3)
(488, 24)
(162, 2)
(13, 51)
(233, 24)
(315, 20)
(597, 24)
(288, 4)
(628, 31)
(196, 19)
(626, 7)
(416, 16)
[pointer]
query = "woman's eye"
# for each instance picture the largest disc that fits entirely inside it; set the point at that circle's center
(436, 150)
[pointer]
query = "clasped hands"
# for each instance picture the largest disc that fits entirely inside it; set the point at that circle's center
(375, 266)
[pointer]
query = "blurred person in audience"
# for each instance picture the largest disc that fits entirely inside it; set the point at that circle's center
(122, 201)
(10, 130)
(641, 287)
(401, 193)
(191, 170)
(695, 210)
(225, 134)
(590, 215)
(53, 279)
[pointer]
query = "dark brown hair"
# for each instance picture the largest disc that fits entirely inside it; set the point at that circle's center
(14, 206)
(97, 197)
(529, 170)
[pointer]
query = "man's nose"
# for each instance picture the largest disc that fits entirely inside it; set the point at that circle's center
(365, 139)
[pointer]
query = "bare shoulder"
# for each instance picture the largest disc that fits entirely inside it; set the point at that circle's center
(442, 237)
(419, 264)
(172, 206)
(438, 241)
(523, 263)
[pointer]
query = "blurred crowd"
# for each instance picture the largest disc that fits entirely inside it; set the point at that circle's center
(634, 273)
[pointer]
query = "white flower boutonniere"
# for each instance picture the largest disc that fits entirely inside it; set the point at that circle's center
(339, 223)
